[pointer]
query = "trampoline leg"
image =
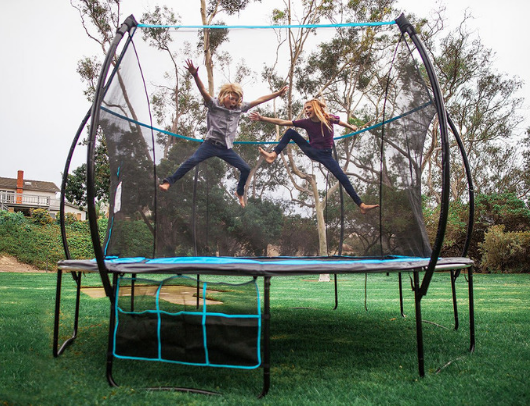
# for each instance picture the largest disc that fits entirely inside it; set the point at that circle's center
(455, 305)
(471, 311)
(419, 327)
(133, 285)
(77, 278)
(336, 292)
(266, 337)
(112, 322)
(400, 280)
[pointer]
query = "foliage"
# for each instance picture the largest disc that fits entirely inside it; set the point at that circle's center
(299, 236)
(133, 239)
(505, 251)
(484, 105)
(41, 216)
(504, 210)
(456, 228)
(40, 244)
(259, 225)
(69, 218)
(76, 187)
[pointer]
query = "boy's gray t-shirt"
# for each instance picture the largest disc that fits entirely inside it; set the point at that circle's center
(222, 122)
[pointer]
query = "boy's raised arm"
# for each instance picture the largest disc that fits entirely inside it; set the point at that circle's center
(268, 97)
(194, 71)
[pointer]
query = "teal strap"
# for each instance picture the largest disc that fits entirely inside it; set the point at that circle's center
(245, 27)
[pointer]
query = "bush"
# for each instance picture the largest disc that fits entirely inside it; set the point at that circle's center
(33, 244)
(8, 219)
(490, 210)
(41, 216)
(69, 218)
(505, 251)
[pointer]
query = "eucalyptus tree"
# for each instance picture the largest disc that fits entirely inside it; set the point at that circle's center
(484, 105)
(346, 71)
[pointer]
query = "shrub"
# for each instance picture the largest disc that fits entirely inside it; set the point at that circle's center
(490, 210)
(9, 219)
(42, 246)
(69, 218)
(505, 251)
(41, 216)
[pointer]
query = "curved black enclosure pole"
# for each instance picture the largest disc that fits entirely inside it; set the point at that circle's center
(471, 190)
(406, 27)
(65, 181)
(129, 24)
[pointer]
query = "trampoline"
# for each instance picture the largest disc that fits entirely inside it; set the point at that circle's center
(192, 233)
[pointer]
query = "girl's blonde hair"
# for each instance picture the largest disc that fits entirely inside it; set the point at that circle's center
(230, 88)
(321, 111)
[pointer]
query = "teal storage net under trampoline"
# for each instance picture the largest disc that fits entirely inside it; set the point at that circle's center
(188, 321)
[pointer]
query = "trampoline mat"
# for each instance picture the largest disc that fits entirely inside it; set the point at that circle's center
(264, 266)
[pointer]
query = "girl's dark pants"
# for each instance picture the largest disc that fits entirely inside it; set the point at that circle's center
(320, 155)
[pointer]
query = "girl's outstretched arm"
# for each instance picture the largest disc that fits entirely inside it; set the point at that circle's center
(350, 126)
(277, 121)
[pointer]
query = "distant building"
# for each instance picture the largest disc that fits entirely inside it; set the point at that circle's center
(25, 195)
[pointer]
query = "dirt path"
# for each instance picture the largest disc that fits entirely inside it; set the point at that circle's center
(10, 264)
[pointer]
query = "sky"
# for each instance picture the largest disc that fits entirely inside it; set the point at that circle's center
(41, 96)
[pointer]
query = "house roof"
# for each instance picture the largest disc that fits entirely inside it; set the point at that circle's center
(29, 185)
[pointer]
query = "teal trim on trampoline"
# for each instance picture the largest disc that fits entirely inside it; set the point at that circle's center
(257, 261)
(110, 235)
(263, 142)
(225, 27)
(277, 260)
(204, 315)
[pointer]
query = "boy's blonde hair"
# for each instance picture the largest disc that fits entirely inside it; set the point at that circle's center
(320, 109)
(229, 88)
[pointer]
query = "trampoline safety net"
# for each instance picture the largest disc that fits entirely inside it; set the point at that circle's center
(199, 215)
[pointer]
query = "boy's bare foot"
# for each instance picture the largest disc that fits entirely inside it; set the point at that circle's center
(241, 199)
(365, 208)
(269, 156)
(164, 186)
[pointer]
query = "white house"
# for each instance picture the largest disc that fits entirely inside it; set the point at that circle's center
(26, 195)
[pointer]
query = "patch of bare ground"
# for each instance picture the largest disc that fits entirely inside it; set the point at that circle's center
(11, 264)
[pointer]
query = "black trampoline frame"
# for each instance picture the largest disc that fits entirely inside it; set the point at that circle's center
(453, 265)
(419, 286)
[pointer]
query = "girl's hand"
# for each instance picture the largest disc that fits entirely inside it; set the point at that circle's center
(283, 90)
(255, 116)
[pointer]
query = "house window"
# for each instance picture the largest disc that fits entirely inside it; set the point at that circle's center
(43, 200)
(7, 196)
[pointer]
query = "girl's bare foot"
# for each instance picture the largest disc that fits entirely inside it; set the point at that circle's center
(164, 186)
(269, 156)
(365, 208)
(241, 199)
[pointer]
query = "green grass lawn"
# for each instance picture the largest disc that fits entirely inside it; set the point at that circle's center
(320, 356)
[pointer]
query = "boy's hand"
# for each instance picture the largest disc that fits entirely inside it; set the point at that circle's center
(191, 69)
